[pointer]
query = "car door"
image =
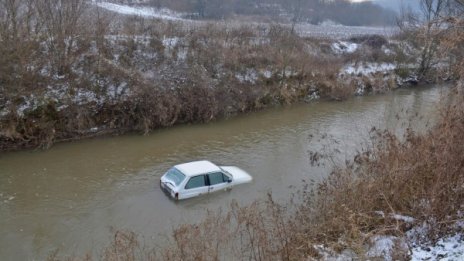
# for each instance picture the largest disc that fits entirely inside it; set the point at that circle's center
(196, 186)
(218, 181)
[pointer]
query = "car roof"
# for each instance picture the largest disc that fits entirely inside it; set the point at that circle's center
(197, 168)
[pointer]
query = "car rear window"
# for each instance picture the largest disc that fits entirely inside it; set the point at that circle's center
(175, 176)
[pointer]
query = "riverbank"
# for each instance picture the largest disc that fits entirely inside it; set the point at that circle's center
(118, 74)
(169, 75)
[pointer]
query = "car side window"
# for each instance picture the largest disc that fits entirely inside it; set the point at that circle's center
(217, 178)
(196, 182)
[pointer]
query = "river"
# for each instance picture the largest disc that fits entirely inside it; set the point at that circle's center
(74, 195)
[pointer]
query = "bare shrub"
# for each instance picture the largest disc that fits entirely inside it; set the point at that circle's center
(380, 83)
(373, 41)
(418, 177)
(256, 232)
(436, 19)
(337, 90)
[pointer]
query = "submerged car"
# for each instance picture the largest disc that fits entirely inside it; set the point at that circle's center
(201, 177)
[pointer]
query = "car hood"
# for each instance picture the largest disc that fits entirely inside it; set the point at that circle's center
(239, 176)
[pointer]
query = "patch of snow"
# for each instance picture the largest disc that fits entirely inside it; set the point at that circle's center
(288, 72)
(257, 41)
(329, 22)
(182, 54)
(115, 92)
(387, 51)
(380, 213)
(412, 79)
(30, 103)
(446, 249)
(418, 233)
(368, 68)
(62, 107)
(407, 48)
(328, 31)
(147, 12)
(403, 218)
(170, 42)
(267, 74)
(398, 217)
(342, 47)
(4, 113)
(360, 91)
(85, 96)
(328, 254)
(314, 96)
(57, 92)
(249, 76)
(59, 77)
(382, 246)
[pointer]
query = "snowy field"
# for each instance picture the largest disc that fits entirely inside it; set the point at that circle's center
(341, 31)
(324, 31)
(148, 12)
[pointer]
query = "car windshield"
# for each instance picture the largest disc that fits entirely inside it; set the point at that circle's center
(175, 176)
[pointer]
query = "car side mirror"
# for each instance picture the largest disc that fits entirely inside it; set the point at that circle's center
(229, 180)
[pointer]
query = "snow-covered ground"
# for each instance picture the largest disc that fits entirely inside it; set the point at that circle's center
(329, 31)
(446, 249)
(324, 31)
(342, 47)
(450, 248)
(368, 68)
(148, 12)
(250, 76)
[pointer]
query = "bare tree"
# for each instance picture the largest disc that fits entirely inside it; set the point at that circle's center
(297, 9)
(453, 37)
(432, 11)
(63, 26)
(18, 43)
(200, 7)
(427, 26)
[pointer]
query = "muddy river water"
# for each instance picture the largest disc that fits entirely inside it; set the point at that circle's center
(74, 195)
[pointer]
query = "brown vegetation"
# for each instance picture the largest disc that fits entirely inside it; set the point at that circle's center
(430, 30)
(62, 78)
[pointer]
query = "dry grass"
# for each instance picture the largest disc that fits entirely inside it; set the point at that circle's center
(163, 89)
(209, 71)
(421, 176)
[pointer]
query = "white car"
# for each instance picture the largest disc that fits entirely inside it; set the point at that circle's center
(200, 177)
